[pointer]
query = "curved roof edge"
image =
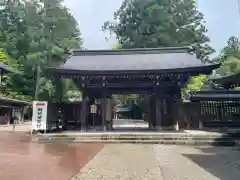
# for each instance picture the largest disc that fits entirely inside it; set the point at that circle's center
(228, 79)
(215, 95)
(184, 49)
(145, 60)
(200, 69)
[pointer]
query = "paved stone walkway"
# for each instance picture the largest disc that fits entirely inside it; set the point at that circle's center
(162, 162)
(124, 162)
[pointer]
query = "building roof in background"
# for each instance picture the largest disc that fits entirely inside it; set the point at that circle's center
(217, 95)
(228, 80)
(5, 101)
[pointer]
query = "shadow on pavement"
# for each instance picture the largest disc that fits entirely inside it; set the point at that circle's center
(222, 162)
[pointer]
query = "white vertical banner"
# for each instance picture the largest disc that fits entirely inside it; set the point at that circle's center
(39, 118)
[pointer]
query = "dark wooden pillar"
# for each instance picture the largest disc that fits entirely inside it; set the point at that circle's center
(158, 103)
(158, 111)
(169, 114)
(91, 118)
(150, 123)
(104, 103)
(152, 111)
(81, 110)
(103, 111)
(82, 84)
(181, 116)
(22, 114)
(84, 111)
(179, 111)
(59, 90)
(109, 117)
(59, 99)
(10, 117)
(194, 113)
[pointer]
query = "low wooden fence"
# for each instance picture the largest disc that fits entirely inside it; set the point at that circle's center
(212, 114)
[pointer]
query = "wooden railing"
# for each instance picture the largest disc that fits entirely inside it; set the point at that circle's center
(212, 114)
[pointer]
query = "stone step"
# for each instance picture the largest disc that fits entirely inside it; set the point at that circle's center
(136, 138)
(139, 138)
(130, 134)
(174, 142)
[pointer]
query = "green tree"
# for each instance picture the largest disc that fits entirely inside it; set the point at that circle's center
(196, 83)
(154, 23)
(7, 78)
(37, 34)
(230, 64)
(117, 46)
(230, 58)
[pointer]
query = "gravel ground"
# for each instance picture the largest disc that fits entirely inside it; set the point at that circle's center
(124, 162)
(162, 162)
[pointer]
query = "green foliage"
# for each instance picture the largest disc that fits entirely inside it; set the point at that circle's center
(230, 64)
(230, 58)
(196, 83)
(7, 78)
(121, 98)
(70, 91)
(4, 57)
(154, 23)
(117, 46)
(36, 34)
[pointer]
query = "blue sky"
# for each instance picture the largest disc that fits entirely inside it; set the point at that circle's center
(222, 20)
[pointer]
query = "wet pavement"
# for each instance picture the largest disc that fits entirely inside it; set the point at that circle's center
(25, 127)
(22, 159)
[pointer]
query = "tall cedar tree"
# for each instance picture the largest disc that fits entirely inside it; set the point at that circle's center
(160, 23)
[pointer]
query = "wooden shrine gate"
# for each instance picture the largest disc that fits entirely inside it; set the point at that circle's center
(161, 72)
